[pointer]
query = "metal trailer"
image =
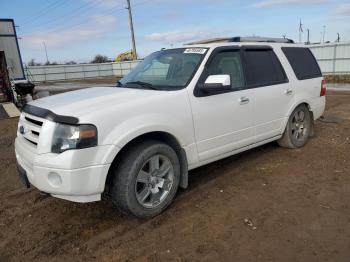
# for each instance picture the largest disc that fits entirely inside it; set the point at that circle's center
(9, 45)
(11, 66)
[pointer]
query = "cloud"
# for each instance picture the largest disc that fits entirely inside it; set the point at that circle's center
(269, 3)
(99, 27)
(343, 9)
(176, 37)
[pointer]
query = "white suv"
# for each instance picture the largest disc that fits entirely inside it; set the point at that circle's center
(177, 110)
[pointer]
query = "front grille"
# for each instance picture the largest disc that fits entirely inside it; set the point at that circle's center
(35, 122)
(32, 142)
(35, 133)
(29, 128)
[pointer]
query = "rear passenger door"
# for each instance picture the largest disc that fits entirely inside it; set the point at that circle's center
(272, 94)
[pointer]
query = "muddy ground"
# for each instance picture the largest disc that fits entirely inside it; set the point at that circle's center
(267, 204)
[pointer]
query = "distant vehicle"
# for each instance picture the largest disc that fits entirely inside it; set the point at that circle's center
(177, 110)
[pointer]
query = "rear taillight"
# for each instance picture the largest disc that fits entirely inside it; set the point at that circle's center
(323, 88)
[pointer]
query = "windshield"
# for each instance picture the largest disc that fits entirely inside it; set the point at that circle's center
(166, 69)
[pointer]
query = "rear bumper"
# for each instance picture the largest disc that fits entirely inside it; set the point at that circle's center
(57, 175)
(318, 107)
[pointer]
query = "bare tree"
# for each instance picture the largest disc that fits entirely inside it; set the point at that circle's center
(100, 59)
(49, 63)
(33, 63)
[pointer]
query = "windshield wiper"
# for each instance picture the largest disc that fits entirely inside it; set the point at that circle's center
(141, 84)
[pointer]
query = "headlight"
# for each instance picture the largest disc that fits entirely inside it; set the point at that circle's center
(73, 137)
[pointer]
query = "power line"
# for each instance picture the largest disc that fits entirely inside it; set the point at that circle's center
(72, 13)
(110, 11)
(42, 12)
(68, 27)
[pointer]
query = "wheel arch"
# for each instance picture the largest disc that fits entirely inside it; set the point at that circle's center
(308, 105)
(162, 136)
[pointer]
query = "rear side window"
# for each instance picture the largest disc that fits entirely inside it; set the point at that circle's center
(303, 62)
(263, 68)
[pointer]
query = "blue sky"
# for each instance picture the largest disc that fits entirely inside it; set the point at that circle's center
(79, 29)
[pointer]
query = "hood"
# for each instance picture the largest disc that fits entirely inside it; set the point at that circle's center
(84, 101)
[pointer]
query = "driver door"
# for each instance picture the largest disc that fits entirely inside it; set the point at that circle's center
(223, 121)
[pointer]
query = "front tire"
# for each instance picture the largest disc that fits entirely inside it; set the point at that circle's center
(146, 179)
(298, 128)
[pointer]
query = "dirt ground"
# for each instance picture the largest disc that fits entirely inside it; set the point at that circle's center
(267, 204)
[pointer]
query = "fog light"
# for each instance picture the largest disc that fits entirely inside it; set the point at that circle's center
(55, 179)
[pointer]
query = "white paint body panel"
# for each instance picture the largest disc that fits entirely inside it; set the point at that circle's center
(207, 128)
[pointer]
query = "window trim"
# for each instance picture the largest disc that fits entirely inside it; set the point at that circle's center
(284, 48)
(197, 92)
(263, 48)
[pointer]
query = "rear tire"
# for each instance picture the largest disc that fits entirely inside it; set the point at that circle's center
(298, 128)
(146, 179)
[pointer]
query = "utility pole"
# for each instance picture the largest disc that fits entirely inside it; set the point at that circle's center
(47, 58)
(132, 30)
(338, 38)
(324, 32)
(308, 36)
(300, 30)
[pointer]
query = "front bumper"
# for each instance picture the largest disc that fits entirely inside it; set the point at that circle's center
(76, 175)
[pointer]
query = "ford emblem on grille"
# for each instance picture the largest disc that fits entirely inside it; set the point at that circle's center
(22, 130)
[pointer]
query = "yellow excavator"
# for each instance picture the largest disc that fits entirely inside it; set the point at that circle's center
(125, 56)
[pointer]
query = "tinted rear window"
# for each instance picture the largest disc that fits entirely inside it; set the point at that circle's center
(263, 68)
(303, 62)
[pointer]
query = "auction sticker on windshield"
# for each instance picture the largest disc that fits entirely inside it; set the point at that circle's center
(195, 51)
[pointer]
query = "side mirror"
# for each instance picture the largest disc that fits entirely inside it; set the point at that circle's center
(217, 83)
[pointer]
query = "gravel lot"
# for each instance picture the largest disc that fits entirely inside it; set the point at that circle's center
(267, 204)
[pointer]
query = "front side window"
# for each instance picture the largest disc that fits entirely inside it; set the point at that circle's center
(166, 69)
(228, 63)
(263, 68)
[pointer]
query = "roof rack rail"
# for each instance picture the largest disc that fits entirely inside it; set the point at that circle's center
(262, 39)
(243, 39)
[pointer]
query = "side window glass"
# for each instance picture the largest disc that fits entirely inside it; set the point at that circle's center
(228, 63)
(303, 62)
(263, 68)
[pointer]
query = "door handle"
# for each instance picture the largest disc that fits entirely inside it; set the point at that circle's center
(244, 100)
(288, 92)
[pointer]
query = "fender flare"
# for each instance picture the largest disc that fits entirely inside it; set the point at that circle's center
(292, 108)
(163, 136)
